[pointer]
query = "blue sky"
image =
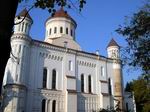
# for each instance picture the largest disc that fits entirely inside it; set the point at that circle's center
(96, 25)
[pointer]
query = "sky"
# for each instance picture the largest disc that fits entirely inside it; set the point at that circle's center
(96, 25)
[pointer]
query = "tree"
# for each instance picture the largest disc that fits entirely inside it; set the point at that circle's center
(141, 89)
(137, 35)
(7, 14)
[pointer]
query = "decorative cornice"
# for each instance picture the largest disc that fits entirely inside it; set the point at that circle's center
(68, 50)
(21, 36)
(85, 63)
(50, 56)
(59, 48)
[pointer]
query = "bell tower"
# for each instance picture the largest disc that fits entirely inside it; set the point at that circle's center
(113, 50)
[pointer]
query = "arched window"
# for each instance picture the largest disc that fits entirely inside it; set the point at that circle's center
(53, 79)
(55, 30)
(66, 30)
(70, 65)
(61, 29)
(89, 83)
(22, 26)
(44, 77)
(54, 106)
(109, 86)
(102, 71)
(82, 82)
(50, 30)
(71, 32)
(43, 105)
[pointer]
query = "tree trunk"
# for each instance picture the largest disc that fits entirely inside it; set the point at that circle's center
(7, 14)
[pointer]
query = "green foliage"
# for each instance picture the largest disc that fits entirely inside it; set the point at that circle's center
(51, 5)
(141, 89)
(137, 35)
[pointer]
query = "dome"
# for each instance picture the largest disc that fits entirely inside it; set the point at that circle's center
(61, 13)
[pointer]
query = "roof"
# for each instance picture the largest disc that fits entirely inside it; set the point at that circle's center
(24, 13)
(112, 43)
(61, 13)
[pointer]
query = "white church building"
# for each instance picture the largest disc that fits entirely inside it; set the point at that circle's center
(56, 75)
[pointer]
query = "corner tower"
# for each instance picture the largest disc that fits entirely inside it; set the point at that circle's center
(15, 81)
(113, 50)
(60, 30)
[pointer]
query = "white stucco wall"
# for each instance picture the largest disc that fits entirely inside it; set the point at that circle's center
(38, 55)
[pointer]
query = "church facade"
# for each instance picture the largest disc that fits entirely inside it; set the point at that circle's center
(56, 75)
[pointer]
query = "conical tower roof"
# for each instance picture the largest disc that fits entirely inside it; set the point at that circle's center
(112, 43)
(24, 13)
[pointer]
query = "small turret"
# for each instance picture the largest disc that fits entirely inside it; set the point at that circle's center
(24, 26)
(113, 49)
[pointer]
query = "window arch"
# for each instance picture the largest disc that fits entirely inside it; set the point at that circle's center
(44, 77)
(54, 106)
(89, 84)
(70, 65)
(82, 82)
(53, 79)
(55, 30)
(61, 29)
(43, 105)
(66, 30)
